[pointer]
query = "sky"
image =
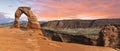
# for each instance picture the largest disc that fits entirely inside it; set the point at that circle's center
(47, 10)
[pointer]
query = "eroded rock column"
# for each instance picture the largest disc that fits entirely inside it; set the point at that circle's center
(109, 36)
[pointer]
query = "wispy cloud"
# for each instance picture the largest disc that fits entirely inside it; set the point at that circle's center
(10, 6)
(75, 9)
(4, 19)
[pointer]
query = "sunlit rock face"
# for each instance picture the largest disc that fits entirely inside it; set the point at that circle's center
(32, 20)
(77, 23)
(109, 36)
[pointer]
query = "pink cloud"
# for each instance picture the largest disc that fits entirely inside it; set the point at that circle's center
(53, 9)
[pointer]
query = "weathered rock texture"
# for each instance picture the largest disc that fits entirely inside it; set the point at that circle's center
(109, 36)
(63, 37)
(32, 20)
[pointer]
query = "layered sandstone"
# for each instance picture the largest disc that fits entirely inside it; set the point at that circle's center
(32, 20)
(100, 23)
(109, 36)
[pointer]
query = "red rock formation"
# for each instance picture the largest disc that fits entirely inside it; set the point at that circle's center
(100, 23)
(32, 20)
(109, 36)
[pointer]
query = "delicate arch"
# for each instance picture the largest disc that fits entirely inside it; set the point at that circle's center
(32, 20)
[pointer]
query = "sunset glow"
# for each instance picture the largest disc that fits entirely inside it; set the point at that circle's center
(64, 9)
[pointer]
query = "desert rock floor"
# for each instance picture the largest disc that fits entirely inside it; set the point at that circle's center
(21, 40)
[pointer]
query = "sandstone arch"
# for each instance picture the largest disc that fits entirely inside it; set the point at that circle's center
(32, 20)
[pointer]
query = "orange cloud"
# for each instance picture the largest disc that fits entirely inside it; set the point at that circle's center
(62, 9)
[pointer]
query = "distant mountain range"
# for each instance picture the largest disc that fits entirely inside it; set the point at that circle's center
(72, 23)
(5, 20)
(23, 23)
(80, 23)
